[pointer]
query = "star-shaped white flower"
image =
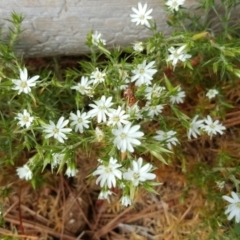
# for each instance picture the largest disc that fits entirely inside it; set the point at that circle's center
(117, 117)
(212, 93)
(134, 111)
(101, 109)
(97, 76)
(58, 131)
(143, 73)
(233, 209)
(126, 137)
(84, 87)
(212, 128)
(24, 172)
(79, 121)
(24, 84)
(57, 159)
(96, 39)
(194, 127)
(99, 134)
(154, 92)
(178, 97)
(108, 173)
(142, 15)
(25, 119)
(153, 110)
(174, 4)
(178, 54)
(220, 184)
(138, 47)
(139, 173)
(167, 137)
(104, 194)
(126, 200)
(71, 171)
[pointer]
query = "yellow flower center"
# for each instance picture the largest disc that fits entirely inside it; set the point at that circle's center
(237, 204)
(81, 88)
(176, 55)
(102, 108)
(122, 135)
(26, 119)
(141, 71)
(116, 118)
(212, 126)
(136, 175)
(56, 130)
(23, 84)
(108, 169)
(99, 75)
(142, 17)
(175, 4)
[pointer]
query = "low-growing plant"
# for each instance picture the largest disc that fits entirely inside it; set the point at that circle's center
(127, 104)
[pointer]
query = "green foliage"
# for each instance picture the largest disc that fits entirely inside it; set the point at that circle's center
(149, 83)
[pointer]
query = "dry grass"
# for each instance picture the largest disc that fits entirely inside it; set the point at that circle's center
(63, 211)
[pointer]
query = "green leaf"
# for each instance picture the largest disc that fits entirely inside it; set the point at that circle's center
(158, 156)
(168, 84)
(237, 228)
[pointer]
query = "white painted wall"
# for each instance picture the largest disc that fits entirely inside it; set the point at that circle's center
(53, 27)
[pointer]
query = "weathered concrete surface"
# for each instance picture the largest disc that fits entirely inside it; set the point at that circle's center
(54, 27)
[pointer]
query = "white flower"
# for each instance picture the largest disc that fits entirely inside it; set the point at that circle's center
(117, 117)
(178, 96)
(108, 173)
(143, 74)
(24, 118)
(154, 92)
(233, 209)
(71, 171)
(104, 194)
(134, 111)
(57, 130)
(220, 184)
(178, 54)
(139, 173)
(174, 4)
(194, 127)
(24, 172)
(126, 137)
(101, 109)
(212, 128)
(98, 76)
(212, 93)
(123, 87)
(126, 200)
(83, 87)
(153, 110)
(79, 120)
(167, 137)
(138, 47)
(24, 84)
(141, 15)
(96, 39)
(99, 134)
(57, 159)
